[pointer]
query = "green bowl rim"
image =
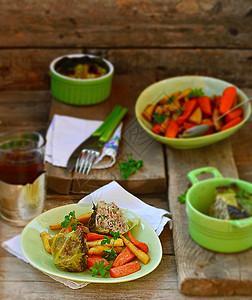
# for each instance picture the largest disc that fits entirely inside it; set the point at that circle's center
(202, 138)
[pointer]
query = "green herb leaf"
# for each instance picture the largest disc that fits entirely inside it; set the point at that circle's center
(115, 235)
(159, 118)
(196, 93)
(182, 197)
(106, 240)
(130, 167)
(111, 253)
(99, 268)
(171, 99)
(70, 220)
(179, 111)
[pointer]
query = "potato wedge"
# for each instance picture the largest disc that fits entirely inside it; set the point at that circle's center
(45, 238)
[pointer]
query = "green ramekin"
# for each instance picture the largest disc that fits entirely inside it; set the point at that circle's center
(225, 236)
(81, 91)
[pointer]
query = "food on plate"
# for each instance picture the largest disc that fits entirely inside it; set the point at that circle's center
(181, 110)
(69, 251)
(83, 67)
(76, 248)
(108, 217)
(84, 218)
(231, 202)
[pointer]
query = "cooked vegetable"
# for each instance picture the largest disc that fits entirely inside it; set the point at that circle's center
(144, 247)
(205, 105)
(138, 253)
(130, 167)
(118, 243)
(188, 108)
(233, 114)
(172, 129)
(98, 265)
(84, 218)
(196, 116)
(69, 251)
(46, 238)
(232, 123)
(99, 250)
(125, 270)
(231, 203)
(124, 257)
(108, 217)
(92, 236)
(227, 99)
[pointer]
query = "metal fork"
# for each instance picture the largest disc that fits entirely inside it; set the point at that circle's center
(91, 152)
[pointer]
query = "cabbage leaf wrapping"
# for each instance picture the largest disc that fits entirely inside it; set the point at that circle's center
(69, 251)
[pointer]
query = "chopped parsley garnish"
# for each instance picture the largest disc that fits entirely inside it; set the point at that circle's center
(171, 99)
(159, 118)
(100, 269)
(130, 167)
(179, 111)
(111, 254)
(196, 93)
(70, 220)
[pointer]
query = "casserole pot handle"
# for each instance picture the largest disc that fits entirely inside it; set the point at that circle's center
(192, 176)
(241, 223)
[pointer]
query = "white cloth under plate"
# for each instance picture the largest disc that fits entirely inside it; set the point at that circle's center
(111, 192)
(66, 133)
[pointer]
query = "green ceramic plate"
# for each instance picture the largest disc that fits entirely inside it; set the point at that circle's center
(33, 249)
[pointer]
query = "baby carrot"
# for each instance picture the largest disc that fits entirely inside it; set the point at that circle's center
(205, 105)
(156, 128)
(238, 112)
(92, 259)
(231, 123)
(172, 130)
(92, 236)
(187, 110)
(139, 245)
(125, 270)
(124, 257)
(227, 99)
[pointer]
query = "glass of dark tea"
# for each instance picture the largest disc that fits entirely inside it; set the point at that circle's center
(22, 176)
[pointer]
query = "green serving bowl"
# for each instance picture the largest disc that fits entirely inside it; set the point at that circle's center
(81, 91)
(210, 86)
(226, 236)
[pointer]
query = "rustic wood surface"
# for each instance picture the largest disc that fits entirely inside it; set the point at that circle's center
(134, 140)
(170, 37)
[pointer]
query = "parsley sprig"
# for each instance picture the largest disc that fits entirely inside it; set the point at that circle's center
(159, 118)
(170, 100)
(130, 167)
(70, 220)
(100, 269)
(111, 254)
(196, 93)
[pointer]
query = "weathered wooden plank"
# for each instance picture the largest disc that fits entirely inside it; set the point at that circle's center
(134, 140)
(203, 272)
(28, 69)
(135, 23)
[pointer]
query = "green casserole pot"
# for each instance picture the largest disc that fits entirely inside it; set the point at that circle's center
(219, 235)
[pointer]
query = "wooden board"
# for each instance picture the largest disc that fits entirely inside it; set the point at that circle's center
(200, 271)
(134, 140)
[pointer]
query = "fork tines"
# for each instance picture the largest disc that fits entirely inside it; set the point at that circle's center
(85, 161)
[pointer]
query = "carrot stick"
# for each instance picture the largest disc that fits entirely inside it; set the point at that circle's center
(137, 243)
(92, 259)
(188, 108)
(125, 270)
(172, 129)
(138, 253)
(156, 128)
(188, 125)
(124, 257)
(205, 105)
(227, 99)
(234, 114)
(231, 123)
(91, 236)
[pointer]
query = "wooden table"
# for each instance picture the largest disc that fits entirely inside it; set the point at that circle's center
(233, 156)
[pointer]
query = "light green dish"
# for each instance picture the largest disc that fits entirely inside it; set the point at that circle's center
(226, 236)
(210, 86)
(81, 91)
(33, 249)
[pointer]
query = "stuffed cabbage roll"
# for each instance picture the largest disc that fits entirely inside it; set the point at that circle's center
(69, 251)
(231, 202)
(108, 217)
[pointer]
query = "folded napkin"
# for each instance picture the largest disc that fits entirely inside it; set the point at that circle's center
(66, 133)
(111, 192)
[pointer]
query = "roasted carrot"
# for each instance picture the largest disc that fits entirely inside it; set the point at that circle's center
(188, 125)
(92, 236)
(238, 112)
(227, 99)
(172, 129)
(144, 247)
(84, 218)
(205, 105)
(125, 270)
(156, 128)
(124, 257)
(92, 259)
(187, 110)
(231, 123)
(138, 253)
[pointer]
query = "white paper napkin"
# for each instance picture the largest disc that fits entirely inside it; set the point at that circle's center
(66, 133)
(111, 192)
